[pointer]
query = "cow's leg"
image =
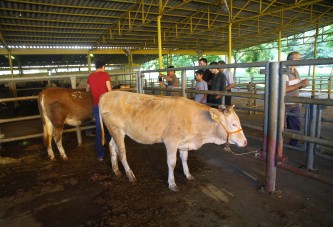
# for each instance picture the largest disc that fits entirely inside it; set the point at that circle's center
(114, 157)
(118, 136)
(122, 157)
(183, 153)
(171, 160)
(57, 135)
(47, 134)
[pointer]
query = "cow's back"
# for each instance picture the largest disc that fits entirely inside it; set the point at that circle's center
(151, 119)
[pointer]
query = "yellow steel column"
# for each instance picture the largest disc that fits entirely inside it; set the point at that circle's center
(230, 44)
(89, 62)
(230, 31)
(159, 33)
(10, 64)
(130, 67)
(12, 85)
(279, 45)
(159, 36)
(314, 67)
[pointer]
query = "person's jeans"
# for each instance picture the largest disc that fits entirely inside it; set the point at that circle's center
(98, 138)
(293, 122)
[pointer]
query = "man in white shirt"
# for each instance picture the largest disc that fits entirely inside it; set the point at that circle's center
(293, 84)
(229, 82)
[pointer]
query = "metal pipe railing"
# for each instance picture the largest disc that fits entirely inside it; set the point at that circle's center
(273, 108)
(72, 79)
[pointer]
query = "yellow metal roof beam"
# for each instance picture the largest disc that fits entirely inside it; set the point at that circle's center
(279, 10)
(264, 10)
(292, 20)
(58, 32)
(67, 6)
(43, 26)
(53, 21)
(52, 37)
(60, 13)
(2, 40)
(323, 13)
(241, 10)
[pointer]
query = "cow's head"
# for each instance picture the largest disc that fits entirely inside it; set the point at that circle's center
(229, 122)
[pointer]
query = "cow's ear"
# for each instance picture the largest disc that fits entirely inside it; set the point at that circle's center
(214, 113)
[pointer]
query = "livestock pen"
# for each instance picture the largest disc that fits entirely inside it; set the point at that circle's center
(209, 161)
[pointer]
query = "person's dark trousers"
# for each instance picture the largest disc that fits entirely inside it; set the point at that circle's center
(293, 122)
(227, 99)
(98, 138)
(213, 100)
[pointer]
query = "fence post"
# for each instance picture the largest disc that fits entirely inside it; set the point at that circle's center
(139, 76)
(310, 148)
(250, 101)
(318, 122)
(73, 82)
(271, 100)
(184, 83)
(306, 124)
(281, 112)
(329, 87)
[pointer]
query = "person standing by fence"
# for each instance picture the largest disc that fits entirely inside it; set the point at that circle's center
(172, 81)
(200, 85)
(218, 84)
(98, 83)
(293, 85)
(229, 82)
(208, 75)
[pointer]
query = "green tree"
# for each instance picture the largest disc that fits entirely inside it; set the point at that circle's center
(258, 53)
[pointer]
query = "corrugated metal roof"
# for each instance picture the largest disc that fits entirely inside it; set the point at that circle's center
(200, 25)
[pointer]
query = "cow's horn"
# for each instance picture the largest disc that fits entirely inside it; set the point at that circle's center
(222, 108)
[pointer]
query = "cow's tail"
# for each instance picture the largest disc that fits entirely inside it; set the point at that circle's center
(42, 116)
(102, 126)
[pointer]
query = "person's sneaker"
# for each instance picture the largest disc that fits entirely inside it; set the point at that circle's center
(101, 159)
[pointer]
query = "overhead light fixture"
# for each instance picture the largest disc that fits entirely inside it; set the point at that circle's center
(12, 57)
(91, 55)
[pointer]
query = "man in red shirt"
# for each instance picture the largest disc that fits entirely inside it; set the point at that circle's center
(98, 83)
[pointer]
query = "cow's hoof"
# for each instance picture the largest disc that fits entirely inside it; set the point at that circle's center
(131, 176)
(65, 158)
(173, 187)
(52, 159)
(117, 173)
(190, 177)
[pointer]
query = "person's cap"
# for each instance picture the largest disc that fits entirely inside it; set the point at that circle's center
(200, 71)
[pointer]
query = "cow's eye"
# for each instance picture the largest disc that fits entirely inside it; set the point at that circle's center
(233, 124)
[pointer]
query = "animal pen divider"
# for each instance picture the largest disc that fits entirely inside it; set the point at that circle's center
(73, 81)
(274, 111)
(273, 97)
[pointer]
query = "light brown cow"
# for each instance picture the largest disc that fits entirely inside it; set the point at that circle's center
(178, 122)
(59, 106)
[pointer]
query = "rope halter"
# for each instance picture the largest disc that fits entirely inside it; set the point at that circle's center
(229, 133)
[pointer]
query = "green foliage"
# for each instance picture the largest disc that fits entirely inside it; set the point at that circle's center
(258, 53)
(178, 61)
(262, 52)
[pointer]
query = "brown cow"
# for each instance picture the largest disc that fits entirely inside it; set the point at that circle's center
(177, 122)
(59, 106)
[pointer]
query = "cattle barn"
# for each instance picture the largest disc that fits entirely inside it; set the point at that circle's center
(51, 46)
